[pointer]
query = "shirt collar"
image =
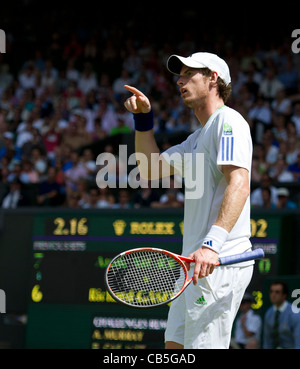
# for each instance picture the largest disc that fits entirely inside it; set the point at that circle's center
(282, 307)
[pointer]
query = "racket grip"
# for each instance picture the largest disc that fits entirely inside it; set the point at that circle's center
(245, 256)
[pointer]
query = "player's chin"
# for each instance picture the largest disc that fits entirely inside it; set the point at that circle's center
(188, 102)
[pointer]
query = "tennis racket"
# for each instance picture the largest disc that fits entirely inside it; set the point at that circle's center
(150, 277)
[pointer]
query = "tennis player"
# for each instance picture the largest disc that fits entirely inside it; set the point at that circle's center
(217, 223)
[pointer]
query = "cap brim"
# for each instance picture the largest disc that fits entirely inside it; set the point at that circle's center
(175, 62)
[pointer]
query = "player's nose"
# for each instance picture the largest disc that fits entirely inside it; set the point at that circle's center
(180, 81)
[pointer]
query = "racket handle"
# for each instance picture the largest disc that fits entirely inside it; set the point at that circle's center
(245, 256)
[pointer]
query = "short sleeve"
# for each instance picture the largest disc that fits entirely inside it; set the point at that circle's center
(175, 154)
(234, 143)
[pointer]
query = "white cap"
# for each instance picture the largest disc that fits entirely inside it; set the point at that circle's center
(282, 191)
(200, 60)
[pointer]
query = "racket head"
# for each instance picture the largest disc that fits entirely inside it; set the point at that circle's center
(146, 277)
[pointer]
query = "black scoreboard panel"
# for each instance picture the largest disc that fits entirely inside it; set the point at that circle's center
(69, 306)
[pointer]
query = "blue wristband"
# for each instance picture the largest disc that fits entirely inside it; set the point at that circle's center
(143, 121)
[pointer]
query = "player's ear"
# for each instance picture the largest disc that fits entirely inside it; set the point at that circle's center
(214, 77)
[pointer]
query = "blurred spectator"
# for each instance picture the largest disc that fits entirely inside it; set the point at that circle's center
(281, 324)
(76, 172)
(289, 77)
(5, 169)
(291, 130)
(72, 95)
(106, 199)
(118, 85)
(132, 62)
(35, 143)
(28, 174)
(270, 146)
(48, 77)
(284, 201)
(292, 150)
(90, 51)
(107, 115)
(278, 171)
(248, 324)
(295, 118)
(260, 117)
(27, 77)
(24, 134)
(49, 191)
(257, 194)
(72, 73)
(294, 169)
(16, 197)
(72, 200)
(10, 149)
(270, 85)
(74, 137)
(15, 172)
(173, 197)
(120, 128)
(51, 137)
(145, 196)
(6, 78)
(124, 200)
(88, 161)
(267, 199)
(82, 187)
(73, 49)
(92, 199)
(259, 164)
(281, 104)
(87, 81)
(279, 128)
(98, 133)
(39, 162)
(255, 171)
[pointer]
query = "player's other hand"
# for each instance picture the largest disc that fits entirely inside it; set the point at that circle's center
(205, 262)
(138, 102)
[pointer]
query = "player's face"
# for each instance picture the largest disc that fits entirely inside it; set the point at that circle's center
(194, 87)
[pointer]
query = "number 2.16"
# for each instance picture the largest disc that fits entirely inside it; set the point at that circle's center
(72, 226)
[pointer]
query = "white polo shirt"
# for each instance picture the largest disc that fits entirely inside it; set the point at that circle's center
(224, 140)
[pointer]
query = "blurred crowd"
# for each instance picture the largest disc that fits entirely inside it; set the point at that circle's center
(67, 94)
(277, 328)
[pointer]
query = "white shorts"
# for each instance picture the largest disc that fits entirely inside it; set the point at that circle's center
(203, 315)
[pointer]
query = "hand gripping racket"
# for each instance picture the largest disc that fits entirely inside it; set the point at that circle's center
(150, 277)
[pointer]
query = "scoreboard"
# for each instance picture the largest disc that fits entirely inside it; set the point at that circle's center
(69, 306)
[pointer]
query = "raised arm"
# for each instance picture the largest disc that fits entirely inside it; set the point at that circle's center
(151, 164)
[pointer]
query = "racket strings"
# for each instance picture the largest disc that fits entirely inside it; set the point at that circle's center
(145, 278)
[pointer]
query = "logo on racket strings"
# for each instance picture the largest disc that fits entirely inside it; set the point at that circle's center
(146, 263)
(145, 297)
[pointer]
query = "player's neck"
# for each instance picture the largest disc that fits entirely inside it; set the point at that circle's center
(204, 111)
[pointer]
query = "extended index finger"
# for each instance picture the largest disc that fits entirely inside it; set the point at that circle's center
(134, 90)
